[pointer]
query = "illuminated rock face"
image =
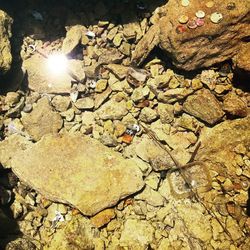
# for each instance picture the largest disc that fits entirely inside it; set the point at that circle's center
(79, 171)
(191, 47)
(42, 80)
(5, 48)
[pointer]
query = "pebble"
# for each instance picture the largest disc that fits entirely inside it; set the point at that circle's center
(216, 17)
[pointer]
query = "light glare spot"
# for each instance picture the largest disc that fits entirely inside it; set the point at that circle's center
(57, 63)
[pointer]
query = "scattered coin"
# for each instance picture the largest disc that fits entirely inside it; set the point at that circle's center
(192, 24)
(183, 19)
(185, 3)
(181, 29)
(216, 17)
(231, 6)
(210, 4)
(200, 22)
(200, 14)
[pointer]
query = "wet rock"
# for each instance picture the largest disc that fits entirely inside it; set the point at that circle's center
(234, 105)
(102, 97)
(10, 146)
(77, 232)
(99, 179)
(152, 197)
(42, 80)
(148, 115)
(204, 106)
(5, 47)
(85, 103)
(61, 103)
(12, 98)
(225, 137)
(166, 112)
(201, 229)
(137, 232)
(20, 243)
(103, 218)
(42, 120)
(173, 95)
(73, 37)
(241, 59)
(191, 49)
(112, 110)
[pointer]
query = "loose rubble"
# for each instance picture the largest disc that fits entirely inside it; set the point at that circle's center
(116, 154)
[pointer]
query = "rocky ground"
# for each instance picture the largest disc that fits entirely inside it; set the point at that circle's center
(129, 157)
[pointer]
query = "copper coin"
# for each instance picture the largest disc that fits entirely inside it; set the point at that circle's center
(200, 22)
(192, 24)
(181, 29)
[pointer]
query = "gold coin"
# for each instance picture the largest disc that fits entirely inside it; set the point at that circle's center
(183, 19)
(210, 4)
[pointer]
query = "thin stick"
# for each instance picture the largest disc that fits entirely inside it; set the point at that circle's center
(185, 178)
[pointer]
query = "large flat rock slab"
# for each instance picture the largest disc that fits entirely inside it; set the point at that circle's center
(79, 171)
(42, 80)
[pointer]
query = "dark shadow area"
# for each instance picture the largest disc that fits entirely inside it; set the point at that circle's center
(248, 203)
(9, 229)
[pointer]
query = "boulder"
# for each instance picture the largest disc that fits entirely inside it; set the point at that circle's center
(5, 47)
(77, 170)
(193, 48)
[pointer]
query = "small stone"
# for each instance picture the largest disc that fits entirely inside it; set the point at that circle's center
(69, 114)
(166, 112)
(112, 110)
(183, 19)
(49, 121)
(231, 6)
(196, 84)
(103, 217)
(216, 17)
(148, 115)
(12, 98)
(205, 106)
(85, 103)
(61, 103)
(235, 105)
(118, 39)
(137, 232)
(101, 85)
(137, 94)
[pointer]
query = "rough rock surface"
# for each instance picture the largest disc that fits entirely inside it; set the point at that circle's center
(5, 48)
(225, 137)
(10, 146)
(137, 232)
(77, 233)
(204, 106)
(42, 120)
(79, 171)
(201, 47)
(42, 80)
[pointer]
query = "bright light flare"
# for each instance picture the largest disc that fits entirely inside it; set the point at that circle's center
(57, 63)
